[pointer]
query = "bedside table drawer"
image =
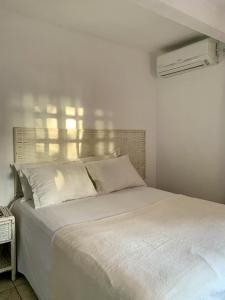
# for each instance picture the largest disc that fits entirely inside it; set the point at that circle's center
(5, 231)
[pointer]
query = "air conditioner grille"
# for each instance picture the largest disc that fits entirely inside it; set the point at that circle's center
(168, 73)
(187, 58)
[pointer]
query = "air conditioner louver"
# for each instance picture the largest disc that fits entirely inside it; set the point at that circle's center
(191, 57)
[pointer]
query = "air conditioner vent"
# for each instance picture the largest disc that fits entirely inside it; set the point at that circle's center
(188, 58)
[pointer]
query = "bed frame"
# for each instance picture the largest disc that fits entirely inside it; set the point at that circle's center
(47, 144)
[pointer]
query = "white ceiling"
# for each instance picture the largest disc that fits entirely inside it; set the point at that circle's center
(205, 16)
(121, 21)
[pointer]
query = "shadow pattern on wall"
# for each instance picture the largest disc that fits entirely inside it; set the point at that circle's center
(47, 144)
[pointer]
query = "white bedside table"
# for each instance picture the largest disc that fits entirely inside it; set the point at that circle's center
(7, 242)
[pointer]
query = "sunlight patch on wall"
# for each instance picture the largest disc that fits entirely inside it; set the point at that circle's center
(53, 117)
(52, 123)
(40, 133)
(80, 148)
(70, 124)
(81, 134)
(53, 133)
(80, 111)
(70, 111)
(71, 133)
(80, 124)
(111, 147)
(40, 147)
(72, 151)
(53, 149)
(51, 109)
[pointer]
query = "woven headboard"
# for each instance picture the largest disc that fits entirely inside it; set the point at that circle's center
(44, 144)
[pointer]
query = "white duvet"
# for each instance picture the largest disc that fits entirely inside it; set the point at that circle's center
(171, 249)
(36, 228)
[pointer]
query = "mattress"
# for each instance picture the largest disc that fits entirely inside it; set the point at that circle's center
(36, 228)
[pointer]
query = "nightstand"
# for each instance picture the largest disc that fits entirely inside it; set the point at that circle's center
(7, 242)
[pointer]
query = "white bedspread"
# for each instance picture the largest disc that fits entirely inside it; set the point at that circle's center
(36, 228)
(172, 249)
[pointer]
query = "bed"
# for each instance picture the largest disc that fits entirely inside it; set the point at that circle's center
(138, 243)
(188, 242)
(37, 228)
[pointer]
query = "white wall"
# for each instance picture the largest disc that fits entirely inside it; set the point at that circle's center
(43, 65)
(191, 133)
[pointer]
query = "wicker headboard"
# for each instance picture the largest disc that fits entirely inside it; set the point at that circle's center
(44, 144)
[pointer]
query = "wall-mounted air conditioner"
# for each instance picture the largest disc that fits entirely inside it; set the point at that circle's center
(191, 57)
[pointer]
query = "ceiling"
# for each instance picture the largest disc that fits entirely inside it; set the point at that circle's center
(121, 21)
(216, 5)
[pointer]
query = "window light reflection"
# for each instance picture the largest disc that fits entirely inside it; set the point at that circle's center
(53, 133)
(111, 147)
(80, 124)
(70, 124)
(52, 123)
(48, 121)
(80, 111)
(40, 133)
(80, 149)
(72, 151)
(72, 133)
(51, 109)
(70, 111)
(40, 147)
(81, 134)
(53, 149)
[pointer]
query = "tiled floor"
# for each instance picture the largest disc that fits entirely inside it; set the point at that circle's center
(17, 290)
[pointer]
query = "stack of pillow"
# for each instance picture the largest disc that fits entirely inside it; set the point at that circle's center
(58, 181)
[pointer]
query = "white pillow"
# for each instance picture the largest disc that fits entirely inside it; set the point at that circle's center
(25, 186)
(114, 174)
(58, 182)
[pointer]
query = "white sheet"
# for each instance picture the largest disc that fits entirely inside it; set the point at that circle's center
(37, 227)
